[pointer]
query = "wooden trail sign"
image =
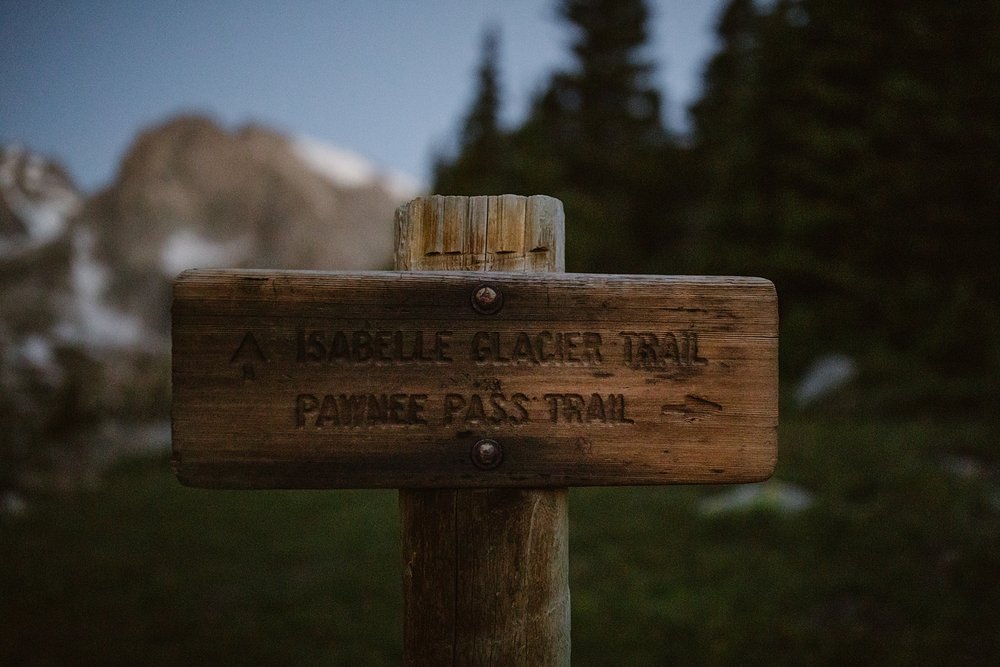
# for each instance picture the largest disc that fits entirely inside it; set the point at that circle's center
(481, 396)
(418, 379)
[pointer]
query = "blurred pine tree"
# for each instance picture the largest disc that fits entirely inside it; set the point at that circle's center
(593, 138)
(845, 149)
(483, 164)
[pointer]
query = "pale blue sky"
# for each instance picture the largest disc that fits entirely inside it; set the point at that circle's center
(389, 79)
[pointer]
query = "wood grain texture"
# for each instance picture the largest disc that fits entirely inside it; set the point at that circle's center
(388, 379)
(485, 577)
(485, 571)
(484, 233)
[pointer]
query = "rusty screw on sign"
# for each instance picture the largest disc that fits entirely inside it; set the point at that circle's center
(487, 454)
(487, 299)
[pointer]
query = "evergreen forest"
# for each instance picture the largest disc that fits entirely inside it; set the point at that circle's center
(846, 150)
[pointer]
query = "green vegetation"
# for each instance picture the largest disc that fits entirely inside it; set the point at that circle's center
(895, 562)
(848, 151)
(145, 571)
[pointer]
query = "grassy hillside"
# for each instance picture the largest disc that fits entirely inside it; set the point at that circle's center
(897, 560)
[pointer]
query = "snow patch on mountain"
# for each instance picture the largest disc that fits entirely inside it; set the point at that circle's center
(341, 166)
(185, 249)
(37, 351)
(402, 186)
(92, 321)
(349, 169)
(39, 196)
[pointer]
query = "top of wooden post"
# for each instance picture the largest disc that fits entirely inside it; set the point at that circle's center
(483, 233)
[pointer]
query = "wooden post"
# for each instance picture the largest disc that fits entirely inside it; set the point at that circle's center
(498, 384)
(485, 571)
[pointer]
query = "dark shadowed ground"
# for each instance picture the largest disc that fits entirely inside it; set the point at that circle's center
(894, 559)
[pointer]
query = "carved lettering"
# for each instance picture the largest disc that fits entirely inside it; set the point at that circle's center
(596, 409)
(572, 407)
(592, 347)
(453, 405)
(655, 351)
(311, 411)
(318, 411)
(545, 347)
(361, 346)
(495, 408)
(523, 351)
(544, 342)
(380, 347)
(329, 413)
(305, 404)
(571, 345)
(339, 349)
(415, 409)
(475, 414)
(352, 405)
(376, 407)
(310, 346)
(380, 341)
(520, 404)
(372, 347)
(248, 353)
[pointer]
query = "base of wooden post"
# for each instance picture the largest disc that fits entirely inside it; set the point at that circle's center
(485, 580)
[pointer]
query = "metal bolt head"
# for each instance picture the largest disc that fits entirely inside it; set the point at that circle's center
(487, 454)
(487, 299)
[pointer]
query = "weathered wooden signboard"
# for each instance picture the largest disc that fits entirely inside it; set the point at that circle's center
(441, 380)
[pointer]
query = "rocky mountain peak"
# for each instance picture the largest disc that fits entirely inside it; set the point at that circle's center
(193, 194)
(85, 282)
(37, 198)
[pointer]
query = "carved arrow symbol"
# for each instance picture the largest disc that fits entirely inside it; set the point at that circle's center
(692, 405)
(248, 353)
